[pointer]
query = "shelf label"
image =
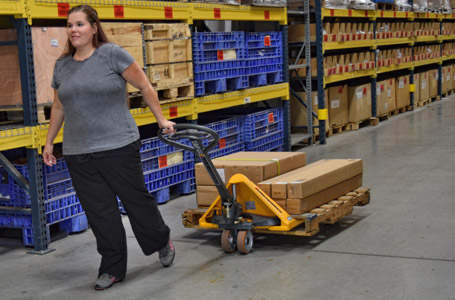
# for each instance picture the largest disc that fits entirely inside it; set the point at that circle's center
(266, 14)
(406, 15)
(382, 14)
(428, 15)
(332, 12)
(217, 13)
(366, 13)
(220, 54)
(394, 13)
(168, 13)
(350, 12)
(63, 9)
(222, 143)
(267, 41)
(119, 11)
(271, 118)
(162, 161)
(173, 112)
(247, 100)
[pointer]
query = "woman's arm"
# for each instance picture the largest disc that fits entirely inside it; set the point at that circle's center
(134, 75)
(55, 123)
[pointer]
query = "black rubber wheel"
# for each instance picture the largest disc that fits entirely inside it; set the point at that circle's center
(245, 241)
(228, 241)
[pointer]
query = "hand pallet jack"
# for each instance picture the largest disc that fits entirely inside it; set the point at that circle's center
(241, 207)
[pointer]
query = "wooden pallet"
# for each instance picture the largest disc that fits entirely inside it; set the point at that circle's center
(447, 94)
(168, 94)
(437, 98)
(11, 115)
(329, 213)
(170, 74)
(328, 134)
(398, 111)
(375, 121)
(336, 129)
(357, 125)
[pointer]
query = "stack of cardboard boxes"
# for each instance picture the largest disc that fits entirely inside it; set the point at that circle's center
(285, 178)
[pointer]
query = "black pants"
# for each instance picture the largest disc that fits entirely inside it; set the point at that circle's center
(97, 181)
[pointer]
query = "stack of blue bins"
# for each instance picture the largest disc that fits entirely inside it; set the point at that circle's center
(264, 130)
(61, 203)
(219, 62)
(264, 58)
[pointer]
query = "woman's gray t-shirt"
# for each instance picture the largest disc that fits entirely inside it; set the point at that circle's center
(94, 98)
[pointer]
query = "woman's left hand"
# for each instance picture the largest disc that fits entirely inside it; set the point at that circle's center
(168, 126)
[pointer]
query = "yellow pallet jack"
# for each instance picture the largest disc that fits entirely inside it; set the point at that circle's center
(241, 206)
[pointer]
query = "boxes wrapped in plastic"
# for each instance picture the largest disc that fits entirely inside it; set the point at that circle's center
(276, 3)
(435, 5)
(404, 5)
(337, 4)
(420, 5)
(362, 4)
(447, 8)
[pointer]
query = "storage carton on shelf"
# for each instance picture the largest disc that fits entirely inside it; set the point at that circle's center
(299, 114)
(433, 78)
(338, 106)
(403, 97)
(382, 105)
(390, 92)
(359, 103)
(424, 87)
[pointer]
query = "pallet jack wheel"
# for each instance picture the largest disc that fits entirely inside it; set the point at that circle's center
(245, 241)
(228, 241)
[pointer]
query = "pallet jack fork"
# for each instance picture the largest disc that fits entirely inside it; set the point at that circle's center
(241, 206)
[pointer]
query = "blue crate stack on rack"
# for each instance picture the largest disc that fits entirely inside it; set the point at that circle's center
(231, 136)
(61, 203)
(264, 130)
(264, 58)
(219, 62)
(167, 170)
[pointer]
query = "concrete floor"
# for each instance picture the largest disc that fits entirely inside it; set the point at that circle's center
(400, 246)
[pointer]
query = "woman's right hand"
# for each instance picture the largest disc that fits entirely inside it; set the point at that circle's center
(48, 155)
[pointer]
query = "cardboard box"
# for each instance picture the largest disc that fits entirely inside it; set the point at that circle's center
(382, 105)
(424, 87)
(417, 88)
(402, 94)
(300, 206)
(299, 114)
(390, 91)
(257, 166)
(297, 32)
(359, 103)
(433, 78)
(48, 45)
(338, 105)
(310, 179)
(205, 195)
(449, 78)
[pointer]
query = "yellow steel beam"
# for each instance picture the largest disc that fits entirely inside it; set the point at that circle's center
(210, 11)
(347, 13)
(114, 9)
(395, 41)
(391, 14)
(13, 8)
(220, 101)
(427, 15)
(171, 110)
(431, 38)
(348, 45)
(447, 37)
(350, 75)
(428, 62)
(394, 68)
(16, 138)
(448, 57)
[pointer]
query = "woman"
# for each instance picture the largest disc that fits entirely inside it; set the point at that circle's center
(101, 143)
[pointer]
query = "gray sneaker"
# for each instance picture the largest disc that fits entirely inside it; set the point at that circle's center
(167, 254)
(105, 281)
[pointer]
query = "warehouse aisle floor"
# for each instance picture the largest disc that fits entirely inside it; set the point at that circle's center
(400, 246)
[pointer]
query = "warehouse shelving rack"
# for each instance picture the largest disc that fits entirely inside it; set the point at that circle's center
(32, 135)
(372, 45)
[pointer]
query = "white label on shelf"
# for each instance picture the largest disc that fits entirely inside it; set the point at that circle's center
(401, 83)
(359, 94)
(247, 100)
(335, 103)
(389, 92)
(54, 43)
(222, 175)
(378, 91)
(316, 100)
(424, 84)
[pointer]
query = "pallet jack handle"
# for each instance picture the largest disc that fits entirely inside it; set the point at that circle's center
(196, 134)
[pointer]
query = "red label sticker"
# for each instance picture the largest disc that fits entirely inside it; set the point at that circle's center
(428, 14)
(220, 54)
(173, 112)
(382, 14)
(267, 41)
(266, 14)
(406, 15)
(222, 143)
(119, 11)
(271, 119)
(63, 9)
(332, 12)
(350, 12)
(217, 13)
(340, 90)
(382, 87)
(364, 90)
(394, 13)
(168, 13)
(162, 161)
(366, 13)
(405, 80)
